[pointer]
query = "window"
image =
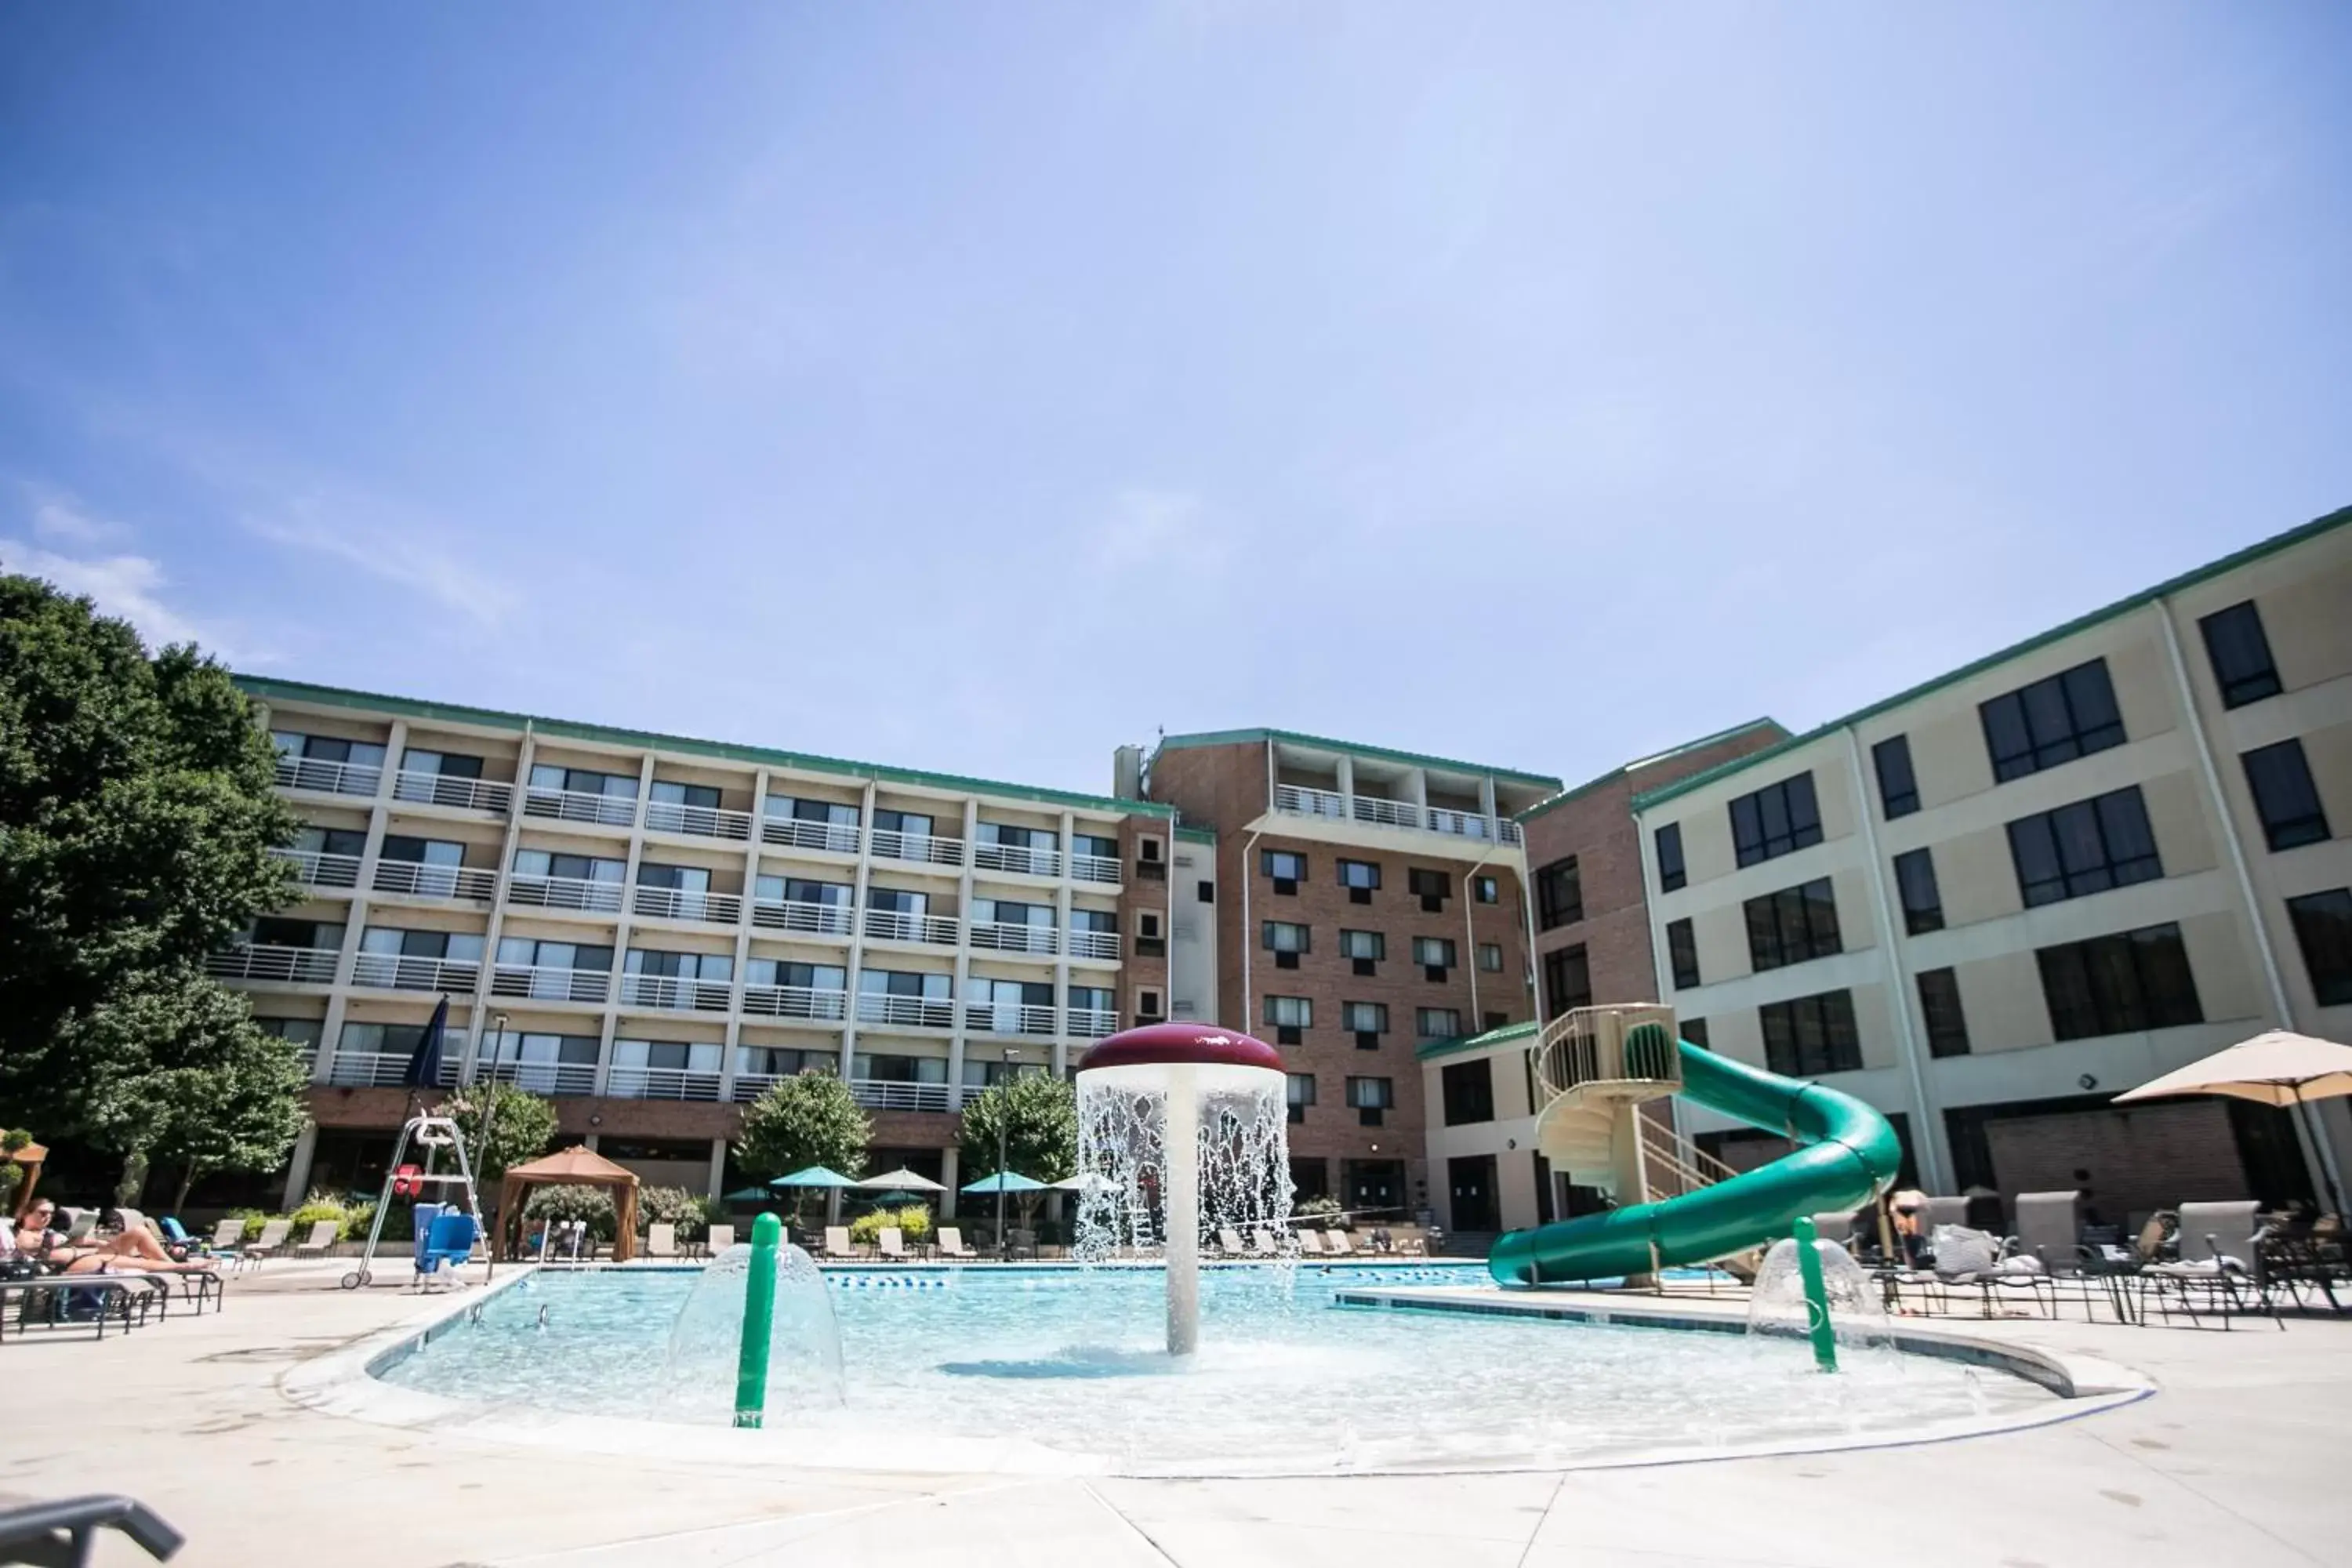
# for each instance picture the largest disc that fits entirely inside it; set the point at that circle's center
(1812, 1035)
(1669, 840)
(1469, 1089)
(1898, 791)
(1568, 980)
(584, 781)
(2284, 795)
(537, 863)
(1486, 890)
(1434, 952)
(2120, 985)
(346, 841)
(1205, 892)
(1008, 836)
(1372, 1098)
(774, 971)
(1363, 874)
(1286, 869)
(2323, 928)
(1364, 948)
(1923, 903)
(677, 879)
(304, 1032)
(445, 765)
(2069, 715)
(1778, 819)
(394, 941)
(1431, 888)
(1559, 894)
(668, 793)
(2240, 655)
(709, 966)
(1695, 1031)
(831, 813)
(1284, 939)
(1436, 1023)
(1939, 1004)
(529, 951)
(770, 889)
(1792, 925)
(2086, 848)
(906, 824)
(1289, 1015)
(1146, 1008)
(1102, 922)
(1490, 957)
(1300, 1092)
(1367, 1021)
(1682, 954)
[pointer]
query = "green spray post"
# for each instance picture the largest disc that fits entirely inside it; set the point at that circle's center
(1817, 1298)
(759, 1321)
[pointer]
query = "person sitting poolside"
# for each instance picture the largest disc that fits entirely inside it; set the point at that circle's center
(134, 1250)
(1910, 1208)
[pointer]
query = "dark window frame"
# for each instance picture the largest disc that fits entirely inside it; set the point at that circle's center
(1779, 819)
(1682, 954)
(1922, 897)
(1559, 894)
(1941, 1010)
(2124, 982)
(1565, 990)
(1673, 873)
(1898, 786)
(1792, 925)
(2051, 722)
(2085, 847)
(1807, 1036)
(2323, 930)
(1466, 1091)
(2238, 650)
(2287, 797)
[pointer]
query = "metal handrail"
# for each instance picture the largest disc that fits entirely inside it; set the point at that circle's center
(583, 893)
(329, 778)
(801, 915)
(1017, 858)
(427, 881)
(794, 1001)
(579, 805)
(1094, 868)
(894, 844)
(319, 868)
(800, 833)
(685, 904)
(447, 789)
(701, 821)
(33, 1532)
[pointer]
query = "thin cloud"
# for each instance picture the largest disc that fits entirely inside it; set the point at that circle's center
(130, 586)
(61, 519)
(398, 556)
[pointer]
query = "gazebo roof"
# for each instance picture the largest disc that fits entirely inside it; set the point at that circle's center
(577, 1164)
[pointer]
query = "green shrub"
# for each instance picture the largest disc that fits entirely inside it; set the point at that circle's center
(915, 1219)
(253, 1220)
(593, 1204)
(866, 1230)
(318, 1206)
(1321, 1208)
(675, 1206)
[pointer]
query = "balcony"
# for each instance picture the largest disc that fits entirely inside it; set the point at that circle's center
(578, 805)
(443, 789)
(1470, 825)
(1014, 857)
(1094, 868)
(794, 1001)
(565, 893)
(1297, 800)
(922, 848)
(368, 1070)
(798, 914)
(329, 778)
(320, 869)
(542, 983)
(1093, 944)
(751, 1086)
(660, 1083)
(478, 883)
(890, 925)
(1089, 1023)
(673, 995)
(541, 1077)
(292, 965)
(1015, 939)
(679, 904)
(398, 971)
(698, 821)
(889, 1094)
(911, 1012)
(1009, 1019)
(792, 833)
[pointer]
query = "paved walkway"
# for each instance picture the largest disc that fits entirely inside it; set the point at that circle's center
(2240, 1460)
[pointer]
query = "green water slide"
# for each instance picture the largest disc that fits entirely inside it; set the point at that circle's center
(1849, 1156)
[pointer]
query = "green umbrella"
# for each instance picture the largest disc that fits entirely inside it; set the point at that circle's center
(748, 1195)
(1005, 1181)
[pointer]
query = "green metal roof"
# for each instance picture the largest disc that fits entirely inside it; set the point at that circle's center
(1414, 759)
(271, 690)
(1613, 774)
(1197, 835)
(2252, 552)
(1508, 1033)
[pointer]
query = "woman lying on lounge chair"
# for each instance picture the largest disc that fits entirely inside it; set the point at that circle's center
(134, 1251)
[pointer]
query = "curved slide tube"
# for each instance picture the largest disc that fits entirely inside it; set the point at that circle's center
(1850, 1156)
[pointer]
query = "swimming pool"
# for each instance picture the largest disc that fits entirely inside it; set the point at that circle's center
(1067, 1365)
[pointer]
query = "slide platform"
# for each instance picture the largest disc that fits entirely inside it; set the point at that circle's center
(1850, 1155)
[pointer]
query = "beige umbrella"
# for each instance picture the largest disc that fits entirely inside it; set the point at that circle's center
(2274, 1067)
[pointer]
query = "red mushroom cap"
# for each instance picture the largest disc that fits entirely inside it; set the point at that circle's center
(1193, 1043)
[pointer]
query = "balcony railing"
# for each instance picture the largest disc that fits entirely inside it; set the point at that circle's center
(1093, 944)
(1009, 1019)
(368, 1070)
(565, 893)
(751, 1086)
(660, 1083)
(544, 982)
(792, 832)
(320, 869)
(1089, 1023)
(1015, 938)
(800, 915)
(1301, 801)
(683, 904)
(892, 925)
(444, 789)
(294, 965)
(541, 1077)
(701, 821)
(413, 876)
(398, 971)
(794, 1001)
(1015, 857)
(1298, 800)
(329, 778)
(890, 844)
(673, 995)
(1470, 825)
(890, 1094)
(579, 805)
(1094, 868)
(913, 1012)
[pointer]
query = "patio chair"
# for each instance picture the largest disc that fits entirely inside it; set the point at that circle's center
(1229, 1241)
(1024, 1243)
(2221, 1253)
(271, 1241)
(891, 1241)
(719, 1239)
(1263, 1245)
(1310, 1243)
(661, 1240)
(227, 1236)
(325, 1233)
(1937, 1212)
(836, 1241)
(952, 1244)
(1338, 1244)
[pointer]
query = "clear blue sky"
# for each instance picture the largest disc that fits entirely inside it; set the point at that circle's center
(976, 386)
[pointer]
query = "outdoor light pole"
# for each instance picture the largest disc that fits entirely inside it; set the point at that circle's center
(1003, 1125)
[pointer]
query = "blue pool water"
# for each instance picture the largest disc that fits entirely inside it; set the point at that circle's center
(1071, 1362)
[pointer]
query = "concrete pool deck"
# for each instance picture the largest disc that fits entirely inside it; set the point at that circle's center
(2239, 1457)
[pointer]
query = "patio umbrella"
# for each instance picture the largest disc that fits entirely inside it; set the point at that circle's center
(1084, 1182)
(1005, 1182)
(748, 1195)
(2274, 1067)
(815, 1176)
(902, 1180)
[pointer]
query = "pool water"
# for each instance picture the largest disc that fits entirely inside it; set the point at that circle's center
(1071, 1363)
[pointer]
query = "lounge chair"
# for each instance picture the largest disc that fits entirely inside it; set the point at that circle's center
(1263, 1245)
(836, 1241)
(1943, 1211)
(1338, 1244)
(271, 1241)
(719, 1239)
(227, 1236)
(952, 1244)
(890, 1242)
(661, 1240)
(1310, 1243)
(1229, 1242)
(325, 1233)
(2220, 1256)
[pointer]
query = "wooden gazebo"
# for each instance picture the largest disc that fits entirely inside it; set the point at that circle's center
(579, 1166)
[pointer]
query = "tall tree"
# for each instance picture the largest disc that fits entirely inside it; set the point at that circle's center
(521, 1126)
(136, 821)
(1039, 1115)
(811, 1119)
